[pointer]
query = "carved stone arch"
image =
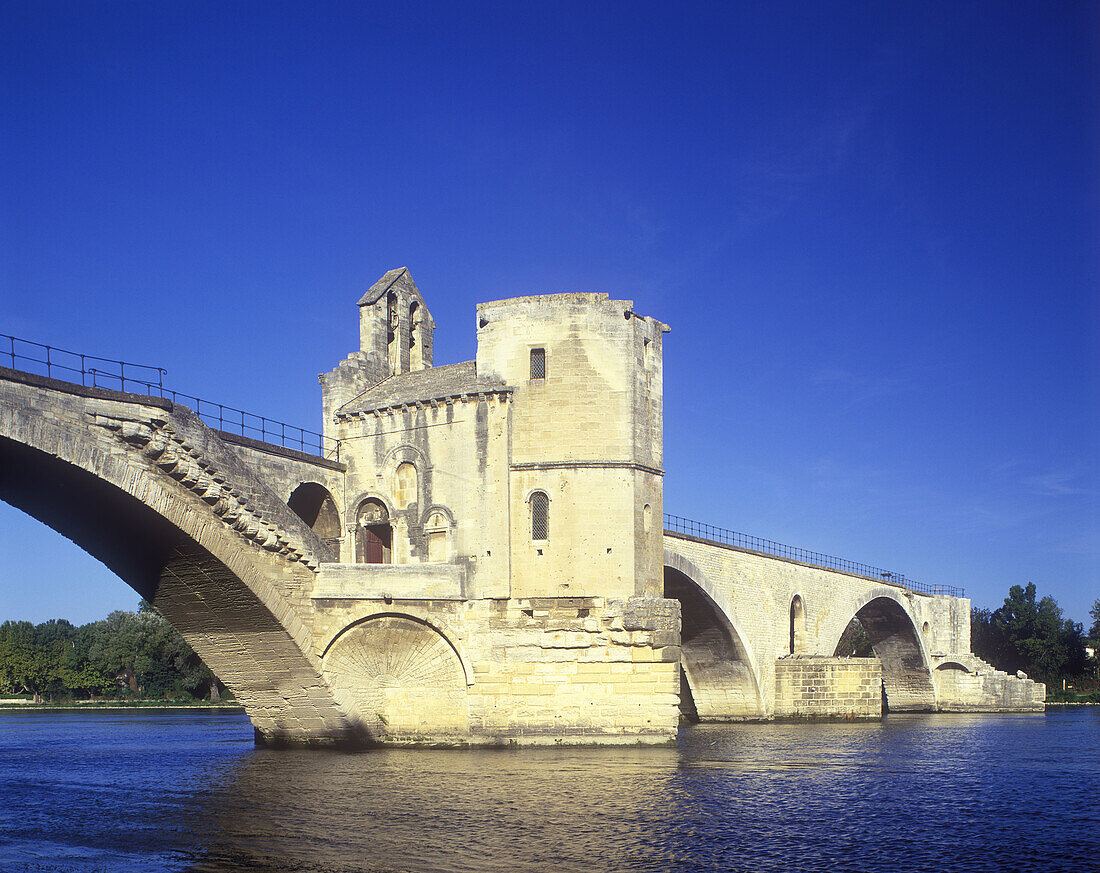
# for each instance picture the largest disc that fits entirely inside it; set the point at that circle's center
(353, 505)
(405, 452)
(411, 614)
(408, 487)
(720, 678)
(887, 619)
(441, 509)
(399, 677)
(898, 597)
(152, 492)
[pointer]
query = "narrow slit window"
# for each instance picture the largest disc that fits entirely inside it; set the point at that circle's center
(540, 516)
(538, 363)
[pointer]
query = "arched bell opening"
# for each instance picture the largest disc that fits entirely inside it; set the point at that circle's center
(716, 679)
(314, 504)
(885, 627)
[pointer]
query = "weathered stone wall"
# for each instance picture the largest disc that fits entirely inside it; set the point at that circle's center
(587, 433)
(458, 447)
(812, 686)
(282, 470)
(533, 670)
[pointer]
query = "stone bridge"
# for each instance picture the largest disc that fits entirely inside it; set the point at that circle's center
(484, 563)
(754, 624)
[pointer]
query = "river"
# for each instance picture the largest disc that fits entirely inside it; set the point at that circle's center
(186, 790)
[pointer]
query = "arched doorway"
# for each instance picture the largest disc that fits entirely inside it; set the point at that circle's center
(906, 678)
(716, 678)
(373, 533)
(315, 506)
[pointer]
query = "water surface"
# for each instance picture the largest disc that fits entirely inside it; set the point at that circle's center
(186, 790)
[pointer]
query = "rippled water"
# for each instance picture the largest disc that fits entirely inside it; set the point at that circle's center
(187, 791)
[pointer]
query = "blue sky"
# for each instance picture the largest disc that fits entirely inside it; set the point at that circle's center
(873, 228)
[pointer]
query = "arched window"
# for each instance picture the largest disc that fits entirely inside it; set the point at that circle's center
(540, 516)
(404, 485)
(647, 518)
(373, 533)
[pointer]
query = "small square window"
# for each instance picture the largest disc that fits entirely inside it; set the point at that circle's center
(538, 363)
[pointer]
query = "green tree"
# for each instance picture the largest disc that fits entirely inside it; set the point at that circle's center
(24, 667)
(1030, 635)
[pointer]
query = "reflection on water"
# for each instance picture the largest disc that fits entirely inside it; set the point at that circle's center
(186, 791)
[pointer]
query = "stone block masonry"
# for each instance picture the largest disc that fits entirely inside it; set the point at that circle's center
(811, 686)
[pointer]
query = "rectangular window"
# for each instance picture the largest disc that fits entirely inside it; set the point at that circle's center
(538, 363)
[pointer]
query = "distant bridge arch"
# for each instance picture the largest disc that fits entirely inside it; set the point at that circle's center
(886, 617)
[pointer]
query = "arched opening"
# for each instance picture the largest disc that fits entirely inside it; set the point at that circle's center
(373, 533)
(416, 340)
(393, 347)
(798, 624)
(181, 563)
(716, 679)
(890, 633)
(313, 503)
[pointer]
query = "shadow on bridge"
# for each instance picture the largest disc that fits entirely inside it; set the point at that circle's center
(718, 680)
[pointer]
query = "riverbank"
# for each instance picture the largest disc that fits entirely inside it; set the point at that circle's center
(20, 705)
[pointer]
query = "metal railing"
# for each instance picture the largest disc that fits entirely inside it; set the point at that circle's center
(722, 536)
(92, 371)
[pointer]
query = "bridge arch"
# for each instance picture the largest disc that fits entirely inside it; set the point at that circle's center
(886, 617)
(147, 489)
(719, 675)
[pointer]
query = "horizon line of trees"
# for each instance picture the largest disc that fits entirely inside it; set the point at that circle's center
(1034, 636)
(134, 655)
